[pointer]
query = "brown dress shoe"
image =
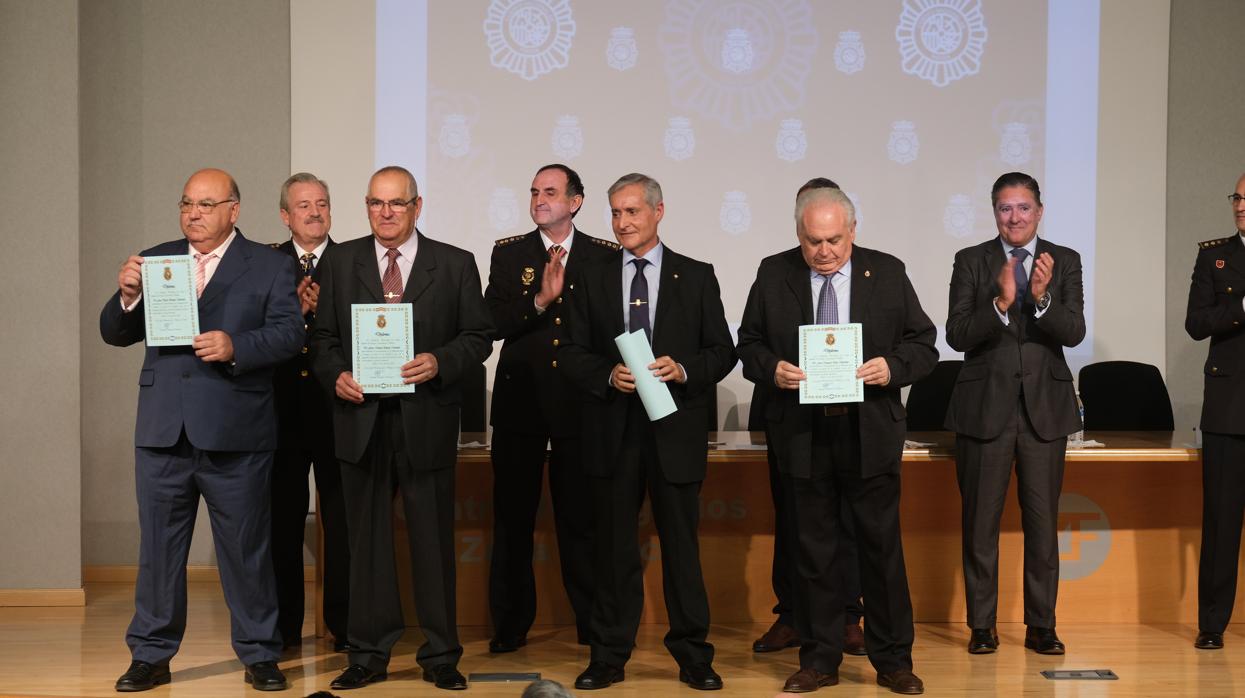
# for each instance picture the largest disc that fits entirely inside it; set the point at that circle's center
(778, 637)
(902, 681)
(809, 680)
(854, 640)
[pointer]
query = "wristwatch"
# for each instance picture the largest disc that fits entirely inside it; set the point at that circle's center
(1044, 302)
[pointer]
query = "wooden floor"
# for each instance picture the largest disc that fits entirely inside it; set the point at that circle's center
(81, 651)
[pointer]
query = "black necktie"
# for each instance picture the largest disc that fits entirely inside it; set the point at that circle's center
(1022, 279)
(307, 263)
(638, 302)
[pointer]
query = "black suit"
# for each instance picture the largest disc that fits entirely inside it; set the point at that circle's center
(305, 440)
(1215, 311)
(1013, 399)
(626, 455)
(534, 406)
(406, 442)
(826, 460)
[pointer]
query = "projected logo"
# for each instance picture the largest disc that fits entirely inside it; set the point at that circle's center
(791, 143)
(503, 210)
(1084, 536)
(941, 40)
(957, 218)
(1015, 147)
(568, 138)
(455, 136)
(849, 53)
(680, 141)
(529, 37)
(735, 215)
(738, 61)
(621, 51)
(903, 146)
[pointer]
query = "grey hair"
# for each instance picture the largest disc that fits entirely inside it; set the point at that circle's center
(652, 190)
(822, 195)
(546, 688)
(301, 178)
(412, 187)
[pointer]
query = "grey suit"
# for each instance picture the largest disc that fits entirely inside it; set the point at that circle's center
(1013, 399)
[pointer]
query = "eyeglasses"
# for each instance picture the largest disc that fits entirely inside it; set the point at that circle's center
(1235, 199)
(204, 207)
(397, 205)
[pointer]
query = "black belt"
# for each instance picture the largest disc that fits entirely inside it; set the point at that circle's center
(834, 410)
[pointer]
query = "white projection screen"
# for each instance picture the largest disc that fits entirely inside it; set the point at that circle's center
(913, 106)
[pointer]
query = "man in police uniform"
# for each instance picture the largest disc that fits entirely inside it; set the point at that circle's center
(1217, 310)
(305, 435)
(534, 407)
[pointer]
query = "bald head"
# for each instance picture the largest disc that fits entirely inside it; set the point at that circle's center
(210, 208)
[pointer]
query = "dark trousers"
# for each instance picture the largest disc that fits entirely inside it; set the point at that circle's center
(618, 569)
(873, 503)
(1223, 503)
(983, 468)
(169, 482)
(518, 473)
(376, 621)
(782, 570)
(289, 519)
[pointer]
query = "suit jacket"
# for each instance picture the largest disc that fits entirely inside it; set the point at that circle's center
(894, 327)
(530, 396)
(1215, 311)
(689, 326)
(303, 406)
(450, 321)
(222, 407)
(999, 359)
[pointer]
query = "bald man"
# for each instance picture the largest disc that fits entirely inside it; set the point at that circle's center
(206, 427)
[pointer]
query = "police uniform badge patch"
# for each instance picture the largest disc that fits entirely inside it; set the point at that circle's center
(529, 275)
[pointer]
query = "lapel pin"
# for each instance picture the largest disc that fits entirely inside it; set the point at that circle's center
(1219, 264)
(867, 273)
(676, 276)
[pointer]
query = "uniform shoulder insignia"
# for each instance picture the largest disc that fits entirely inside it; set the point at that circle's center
(508, 241)
(606, 243)
(1207, 244)
(275, 245)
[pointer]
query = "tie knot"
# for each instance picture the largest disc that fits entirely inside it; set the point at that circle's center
(555, 249)
(1020, 253)
(640, 263)
(204, 258)
(308, 257)
(392, 253)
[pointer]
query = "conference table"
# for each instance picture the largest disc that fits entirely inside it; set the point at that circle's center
(1129, 524)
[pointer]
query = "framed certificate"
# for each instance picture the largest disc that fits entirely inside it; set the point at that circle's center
(170, 300)
(383, 339)
(829, 356)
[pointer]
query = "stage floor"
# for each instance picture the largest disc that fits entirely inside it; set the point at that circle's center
(81, 651)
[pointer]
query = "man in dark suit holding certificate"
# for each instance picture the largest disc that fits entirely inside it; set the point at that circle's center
(206, 427)
(406, 442)
(675, 301)
(849, 452)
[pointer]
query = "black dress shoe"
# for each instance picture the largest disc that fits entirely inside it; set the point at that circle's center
(779, 637)
(142, 676)
(1204, 641)
(903, 682)
(446, 676)
(1043, 641)
(598, 675)
(701, 677)
(983, 641)
(357, 676)
(502, 645)
(854, 640)
(265, 676)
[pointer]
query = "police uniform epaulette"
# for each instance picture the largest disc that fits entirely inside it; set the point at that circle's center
(606, 243)
(275, 245)
(509, 241)
(1207, 244)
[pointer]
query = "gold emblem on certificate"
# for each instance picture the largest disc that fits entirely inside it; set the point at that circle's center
(168, 274)
(829, 339)
(529, 275)
(381, 322)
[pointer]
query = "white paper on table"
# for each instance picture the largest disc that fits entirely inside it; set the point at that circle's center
(637, 355)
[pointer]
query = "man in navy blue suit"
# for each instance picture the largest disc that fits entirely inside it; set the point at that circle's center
(207, 427)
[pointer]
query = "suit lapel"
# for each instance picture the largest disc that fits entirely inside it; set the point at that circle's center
(572, 261)
(367, 271)
(668, 292)
(862, 285)
(421, 271)
(236, 261)
(1234, 255)
(801, 287)
(612, 278)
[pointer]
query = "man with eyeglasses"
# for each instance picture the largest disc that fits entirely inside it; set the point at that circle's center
(206, 428)
(1217, 310)
(305, 435)
(404, 442)
(535, 407)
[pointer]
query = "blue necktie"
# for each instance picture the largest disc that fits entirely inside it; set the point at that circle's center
(827, 302)
(638, 304)
(1022, 279)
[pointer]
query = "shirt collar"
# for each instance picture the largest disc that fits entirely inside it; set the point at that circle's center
(220, 249)
(845, 270)
(566, 244)
(318, 251)
(1031, 246)
(653, 256)
(408, 248)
